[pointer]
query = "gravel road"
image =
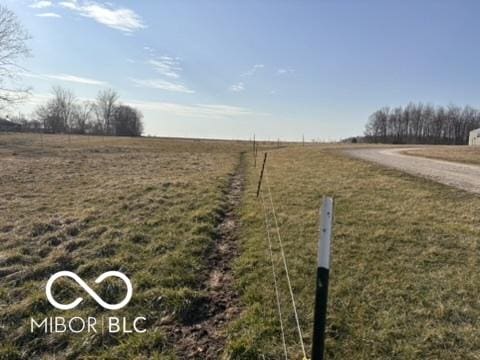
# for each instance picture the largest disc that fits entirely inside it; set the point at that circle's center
(462, 176)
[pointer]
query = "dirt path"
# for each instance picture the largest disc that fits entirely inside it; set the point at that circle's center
(462, 176)
(205, 338)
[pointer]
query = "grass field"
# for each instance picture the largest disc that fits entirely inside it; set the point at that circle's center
(404, 278)
(148, 208)
(463, 154)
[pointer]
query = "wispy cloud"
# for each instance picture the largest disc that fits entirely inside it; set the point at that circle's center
(49, 15)
(284, 71)
(122, 19)
(162, 85)
(238, 87)
(67, 78)
(253, 70)
(166, 66)
(201, 111)
(209, 111)
(78, 79)
(38, 99)
(42, 4)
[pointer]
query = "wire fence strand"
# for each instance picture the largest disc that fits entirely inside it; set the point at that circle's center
(280, 242)
(274, 273)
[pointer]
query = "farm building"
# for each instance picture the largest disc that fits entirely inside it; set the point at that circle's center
(474, 137)
(6, 125)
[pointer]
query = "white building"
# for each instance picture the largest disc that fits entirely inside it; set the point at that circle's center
(474, 137)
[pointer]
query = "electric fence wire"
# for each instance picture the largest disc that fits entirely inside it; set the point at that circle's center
(285, 266)
(277, 294)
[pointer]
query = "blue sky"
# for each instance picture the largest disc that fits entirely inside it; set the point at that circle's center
(227, 69)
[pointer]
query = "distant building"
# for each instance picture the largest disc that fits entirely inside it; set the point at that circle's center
(7, 125)
(474, 137)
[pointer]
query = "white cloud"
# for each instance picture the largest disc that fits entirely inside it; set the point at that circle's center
(67, 78)
(237, 87)
(49, 15)
(253, 70)
(70, 4)
(208, 111)
(162, 85)
(122, 19)
(285, 71)
(224, 110)
(39, 99)
(166, 66)
(42, 4)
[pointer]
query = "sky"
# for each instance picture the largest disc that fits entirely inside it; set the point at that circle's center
(276, 68)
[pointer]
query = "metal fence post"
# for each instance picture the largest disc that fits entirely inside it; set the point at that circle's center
(261, 174)
(321, 287)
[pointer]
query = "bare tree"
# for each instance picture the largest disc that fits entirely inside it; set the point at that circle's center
(82, 117)
(13, 47)
(105, 109)
(57, 114)
(65, 102)
(47, 116)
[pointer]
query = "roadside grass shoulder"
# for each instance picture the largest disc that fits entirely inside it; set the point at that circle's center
(455, 153)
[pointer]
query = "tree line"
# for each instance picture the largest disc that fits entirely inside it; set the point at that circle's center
(64, 113)
(422, 124)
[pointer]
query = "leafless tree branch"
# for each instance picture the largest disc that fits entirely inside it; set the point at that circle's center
(13, 48)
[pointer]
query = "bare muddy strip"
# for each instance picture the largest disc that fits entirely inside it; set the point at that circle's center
(205, 336)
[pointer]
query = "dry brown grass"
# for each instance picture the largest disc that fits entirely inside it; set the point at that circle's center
(146, 207)
(404, 279)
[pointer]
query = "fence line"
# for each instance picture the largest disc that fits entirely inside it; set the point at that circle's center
(323, 268)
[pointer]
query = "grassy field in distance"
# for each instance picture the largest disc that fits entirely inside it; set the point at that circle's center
(464, 154)
(404, 277)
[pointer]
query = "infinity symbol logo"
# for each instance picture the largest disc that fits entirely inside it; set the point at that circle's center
(89, 290)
